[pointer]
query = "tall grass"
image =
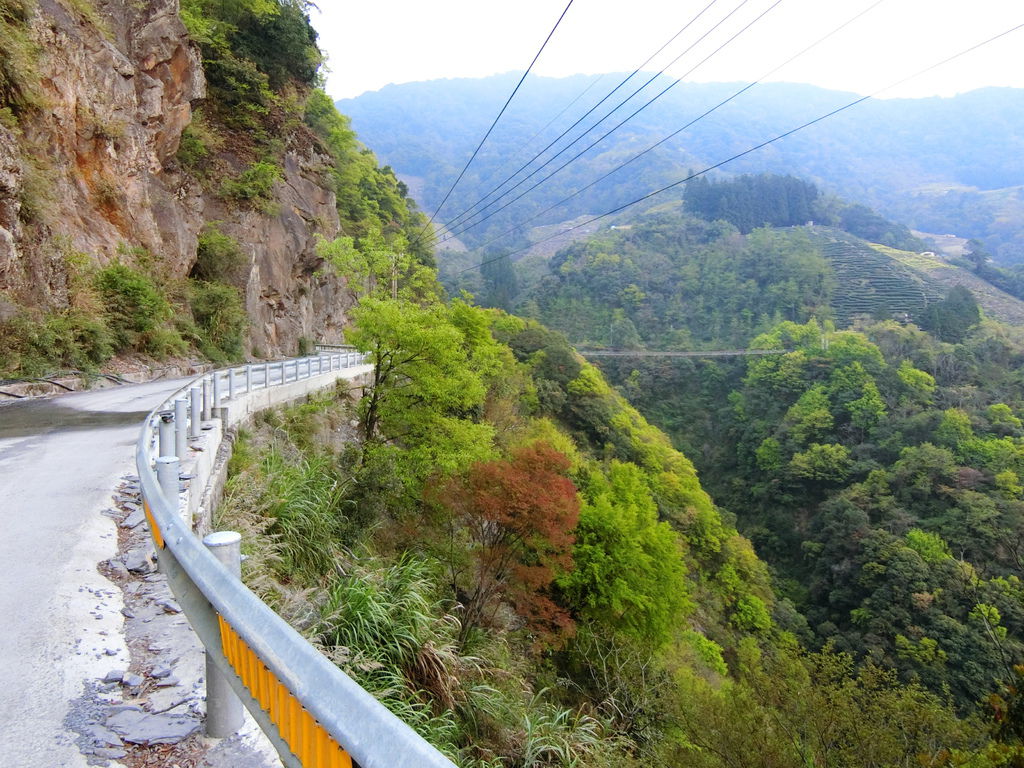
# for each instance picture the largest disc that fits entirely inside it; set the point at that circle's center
(306, 502)
(19, 81)
(556, 736)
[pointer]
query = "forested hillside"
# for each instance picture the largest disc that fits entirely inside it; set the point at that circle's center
(671, 281)
(879, 473)
(515, 561)
(918, 161)
(876, 470)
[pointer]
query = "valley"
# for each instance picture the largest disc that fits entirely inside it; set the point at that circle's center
(564, 523)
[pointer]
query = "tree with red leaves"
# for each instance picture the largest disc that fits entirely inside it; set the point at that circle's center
(519, 514)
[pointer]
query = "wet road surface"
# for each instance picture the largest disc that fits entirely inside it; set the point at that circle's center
(60, 459)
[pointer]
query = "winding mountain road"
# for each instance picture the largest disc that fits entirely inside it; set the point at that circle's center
(60, 619)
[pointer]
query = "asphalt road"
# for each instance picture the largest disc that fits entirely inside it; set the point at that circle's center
(60, 620)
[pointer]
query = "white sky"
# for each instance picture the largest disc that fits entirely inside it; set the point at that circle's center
(371, 43)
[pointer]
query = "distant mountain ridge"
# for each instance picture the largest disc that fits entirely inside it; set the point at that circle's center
(937, 164)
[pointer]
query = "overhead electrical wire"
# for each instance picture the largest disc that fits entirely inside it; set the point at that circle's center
(755, 148)
(618, 125)
(690, 124)
(586, 114)
(496, 119)
(449, 225)
(523, 145)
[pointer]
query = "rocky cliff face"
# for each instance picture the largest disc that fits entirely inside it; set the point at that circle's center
(96, 164)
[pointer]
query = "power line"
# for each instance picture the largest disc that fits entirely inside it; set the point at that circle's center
(690, 124)
(608, 114)
(619, 125)
(763, 144)
(523, 145)
(507, 102)
(586, 114)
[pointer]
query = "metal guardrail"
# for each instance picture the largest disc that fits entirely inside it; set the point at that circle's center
(319, 348)
(314, 714)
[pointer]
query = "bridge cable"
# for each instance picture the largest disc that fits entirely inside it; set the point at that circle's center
(763, 144)
(496, 119)
(613, 129)
(588, 112)
(675, 133)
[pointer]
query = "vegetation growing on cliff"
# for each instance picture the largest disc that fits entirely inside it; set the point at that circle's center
(18, 87)
(261, 65)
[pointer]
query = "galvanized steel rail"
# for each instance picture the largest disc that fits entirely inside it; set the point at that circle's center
(315, 715)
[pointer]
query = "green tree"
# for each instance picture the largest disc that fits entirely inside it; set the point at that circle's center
(951, 318)
(421, 367)
(810, 418)
(821, 463)
(500, 284)
(629, 571)
(379, 266)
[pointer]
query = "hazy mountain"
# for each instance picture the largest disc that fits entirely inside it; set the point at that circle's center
(935, 164)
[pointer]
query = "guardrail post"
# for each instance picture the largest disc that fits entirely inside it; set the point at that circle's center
(224, 715)
(167, 470)
(180, 430)
(231, 384)
(165, 445)
(248, 378)
(207, 399)
(196, 411)
(216, 392)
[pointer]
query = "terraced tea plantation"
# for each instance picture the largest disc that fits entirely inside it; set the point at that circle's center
(874, 284)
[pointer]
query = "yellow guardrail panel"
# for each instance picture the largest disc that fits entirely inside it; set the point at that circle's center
(154, 530)
(306, 738)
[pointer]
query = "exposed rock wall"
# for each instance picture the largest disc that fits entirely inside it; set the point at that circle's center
(99, 156)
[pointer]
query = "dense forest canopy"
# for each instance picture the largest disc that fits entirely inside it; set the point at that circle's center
(766, 200)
